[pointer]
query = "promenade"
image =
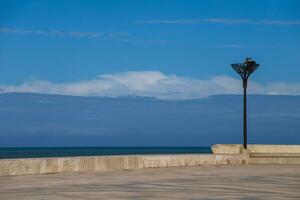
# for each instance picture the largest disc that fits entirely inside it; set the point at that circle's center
(201, 182)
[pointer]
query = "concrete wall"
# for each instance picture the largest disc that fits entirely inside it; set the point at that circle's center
(103, 163)
(261, 154)
(223, 155)
(255, 148)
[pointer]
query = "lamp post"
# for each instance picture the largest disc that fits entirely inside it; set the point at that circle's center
(244, 70)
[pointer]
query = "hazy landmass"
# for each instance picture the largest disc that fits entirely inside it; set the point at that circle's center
(54, 120)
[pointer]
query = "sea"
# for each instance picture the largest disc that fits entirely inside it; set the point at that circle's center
(40, 152)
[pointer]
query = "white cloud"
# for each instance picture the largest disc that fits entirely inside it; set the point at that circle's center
(112, 35)
(195, 21)
(239, 46)
(60, 33)
(152, 84)
(280, 22)
(225, 21)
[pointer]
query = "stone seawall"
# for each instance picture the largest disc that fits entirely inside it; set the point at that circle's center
(256, 148)
(223, 155)
(26, 166)
(261, 154)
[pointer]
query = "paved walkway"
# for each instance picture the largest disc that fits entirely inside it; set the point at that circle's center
(205, 182)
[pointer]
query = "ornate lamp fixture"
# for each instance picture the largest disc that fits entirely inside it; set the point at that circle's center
(245, 70)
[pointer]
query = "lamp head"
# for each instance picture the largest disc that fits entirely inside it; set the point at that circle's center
(246, 68)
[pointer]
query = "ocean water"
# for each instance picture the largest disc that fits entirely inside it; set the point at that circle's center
(39, 152)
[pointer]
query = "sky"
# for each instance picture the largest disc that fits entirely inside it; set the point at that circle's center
(161, 49)
(157, 52)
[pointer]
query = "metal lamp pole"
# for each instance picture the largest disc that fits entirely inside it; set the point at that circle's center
(244, 70)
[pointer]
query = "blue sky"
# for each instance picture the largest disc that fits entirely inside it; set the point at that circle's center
(166, 50)
(148, 48)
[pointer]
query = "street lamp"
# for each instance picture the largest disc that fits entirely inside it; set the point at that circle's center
(244, 70)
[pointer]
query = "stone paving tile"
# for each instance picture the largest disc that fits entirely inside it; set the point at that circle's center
(244, 182)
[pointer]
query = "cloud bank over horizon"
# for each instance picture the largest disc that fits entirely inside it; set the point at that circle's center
(152, 84)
